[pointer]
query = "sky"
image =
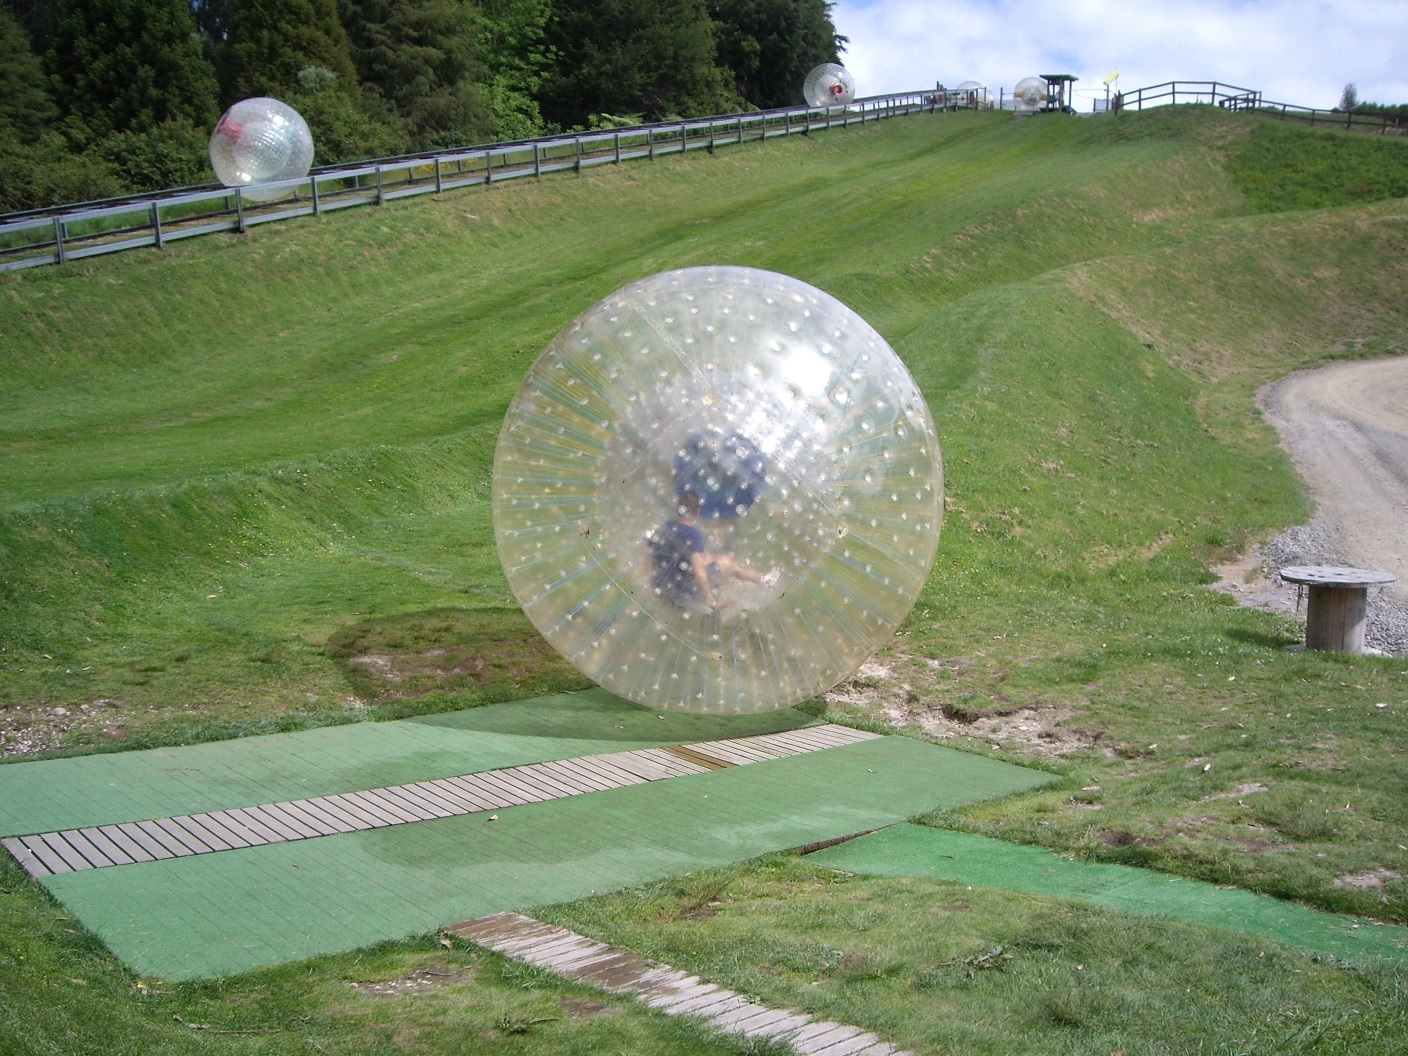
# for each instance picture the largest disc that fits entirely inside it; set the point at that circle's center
(1301, 52)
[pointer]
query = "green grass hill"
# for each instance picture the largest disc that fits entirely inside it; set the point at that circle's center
(245, 487)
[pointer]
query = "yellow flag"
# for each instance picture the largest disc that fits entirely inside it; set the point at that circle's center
(1113, 77)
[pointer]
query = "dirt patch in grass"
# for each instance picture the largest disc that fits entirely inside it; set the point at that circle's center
(1249, 578)
(26, 729)
(885, 689)
(422, 980)
(1118, 838)
(1374, 880)
(411, 654)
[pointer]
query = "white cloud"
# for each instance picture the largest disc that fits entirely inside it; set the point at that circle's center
(1292, 51)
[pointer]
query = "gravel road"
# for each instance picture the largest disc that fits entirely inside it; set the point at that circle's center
(1346, 428)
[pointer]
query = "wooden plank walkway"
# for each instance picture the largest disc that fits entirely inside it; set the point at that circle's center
(667, 989)
(76, 850)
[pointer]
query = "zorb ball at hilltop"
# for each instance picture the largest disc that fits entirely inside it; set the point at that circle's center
(974, 95)
(1029, 95)
(260, 141)
(736, 414)
(828, 85)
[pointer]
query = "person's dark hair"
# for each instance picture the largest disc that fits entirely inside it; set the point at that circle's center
(689, 504)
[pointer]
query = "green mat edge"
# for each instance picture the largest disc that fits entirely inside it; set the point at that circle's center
(165, 918)
(108, 788)
(909, 849)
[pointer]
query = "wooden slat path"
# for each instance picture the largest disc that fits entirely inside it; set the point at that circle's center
(661, 987)
(75, 850)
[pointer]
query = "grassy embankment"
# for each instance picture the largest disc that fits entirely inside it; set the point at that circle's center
(233, 467)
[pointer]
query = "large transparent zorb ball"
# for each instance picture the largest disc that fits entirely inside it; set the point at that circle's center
(796, 432)
(828, 85)
(1029, 95)
(974, 96)
(260, 141)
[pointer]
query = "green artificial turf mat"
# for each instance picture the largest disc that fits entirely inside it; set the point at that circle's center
(44, 796)
(915, 850)
(218, 914)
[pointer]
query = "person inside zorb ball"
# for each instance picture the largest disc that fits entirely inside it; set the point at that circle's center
(259, 141)
(717, 490)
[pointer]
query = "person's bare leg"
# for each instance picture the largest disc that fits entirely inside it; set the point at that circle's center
(729, 567)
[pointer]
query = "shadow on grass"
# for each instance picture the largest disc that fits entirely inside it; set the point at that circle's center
(1262, 639)
(496, 651)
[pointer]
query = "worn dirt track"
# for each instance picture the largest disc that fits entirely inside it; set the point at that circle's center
(1346, 427)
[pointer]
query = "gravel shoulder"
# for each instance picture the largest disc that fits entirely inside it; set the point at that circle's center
(1346, 429)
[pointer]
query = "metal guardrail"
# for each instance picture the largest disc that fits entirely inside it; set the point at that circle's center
(63, 234)
(1246, 100)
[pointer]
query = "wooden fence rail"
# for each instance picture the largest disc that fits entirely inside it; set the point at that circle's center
(66, 233)
(56, 236)
(1231, 97)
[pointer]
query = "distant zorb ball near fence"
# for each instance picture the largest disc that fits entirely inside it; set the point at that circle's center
(718, 490)
(828, 85)
(259, 141)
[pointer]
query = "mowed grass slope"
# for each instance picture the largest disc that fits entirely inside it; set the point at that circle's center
(246, 486)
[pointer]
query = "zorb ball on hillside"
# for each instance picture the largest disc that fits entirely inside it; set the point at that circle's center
(260, 141)
(749, 419)
(828, 85)
(974, 95)
(1029, 95)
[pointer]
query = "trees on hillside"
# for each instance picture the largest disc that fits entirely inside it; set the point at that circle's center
(1351, 103)
(130, 65)
(420, 57)
(769, 45)
(515, 57)
(98, 97)
(268, 42)
(40, 19)
(646, 58)
(125, 99)
(26, 108)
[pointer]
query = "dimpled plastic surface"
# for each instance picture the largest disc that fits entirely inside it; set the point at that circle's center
(260, 141)
(812, 451)
(828, 85)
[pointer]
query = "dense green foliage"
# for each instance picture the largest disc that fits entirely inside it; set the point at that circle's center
(25, 107)
(131, 65)
(770, 45)
(268, 42)
(105, 96)
(235, 468)
(419, 56)
(644, 58)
